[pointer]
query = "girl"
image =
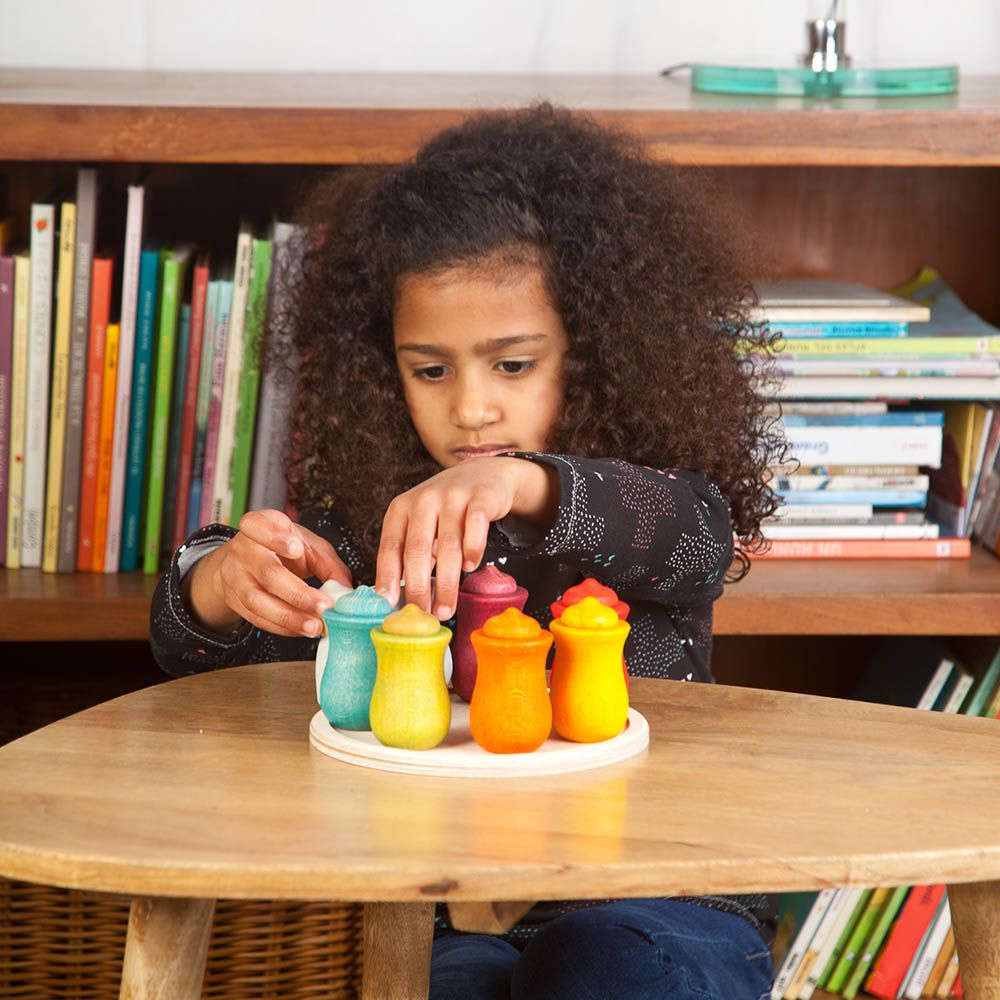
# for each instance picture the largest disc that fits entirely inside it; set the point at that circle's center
(521, 346)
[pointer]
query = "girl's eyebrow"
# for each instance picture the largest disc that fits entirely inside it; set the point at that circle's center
(485, 347)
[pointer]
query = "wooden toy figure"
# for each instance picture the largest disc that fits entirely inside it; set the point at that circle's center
(589, 696)
(411, 707)
(590, 588)
(510, 710)
(334, 591)
(345, 690)
(482, 595)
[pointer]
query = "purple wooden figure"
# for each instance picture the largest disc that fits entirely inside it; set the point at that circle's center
(482, 595)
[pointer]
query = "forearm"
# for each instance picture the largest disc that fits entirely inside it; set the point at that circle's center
(201, 592)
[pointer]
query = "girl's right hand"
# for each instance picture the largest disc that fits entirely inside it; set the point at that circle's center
(259, 574)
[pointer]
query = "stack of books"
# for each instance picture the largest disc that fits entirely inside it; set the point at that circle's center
(127, 420)
(889, 942)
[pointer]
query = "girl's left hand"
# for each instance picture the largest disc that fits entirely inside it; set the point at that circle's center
(445, 521)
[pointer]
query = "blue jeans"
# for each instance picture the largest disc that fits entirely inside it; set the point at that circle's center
(633, 949)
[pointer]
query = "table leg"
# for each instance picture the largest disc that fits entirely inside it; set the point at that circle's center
(397, 951)
(975, 914)
(166, 948)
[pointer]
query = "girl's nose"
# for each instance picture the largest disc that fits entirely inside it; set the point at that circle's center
(471, 407)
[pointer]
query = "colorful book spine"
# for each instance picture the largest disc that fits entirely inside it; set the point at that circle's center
(102, 273)
(174, 270)
(816, 445)
(885, 497)
(837, 331)
(874, 548)
(189, 403)
(940, 964)
(142, 379)
(799, 984)
(874, 942)
(790, 964)
(856, 941)
(105, 447)
(246, 414)
(220, 360)
(222, 485)
(201, 408)
(6, 355)
(135, 207)
(42, 249)
(861, 897)
(86, 224)
(170, 492)
(59, 387)
(18, 406)
(926, 957)
(836, 921)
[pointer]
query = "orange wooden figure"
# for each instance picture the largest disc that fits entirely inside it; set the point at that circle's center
(589, 696)
(510, 711)
(590, 588)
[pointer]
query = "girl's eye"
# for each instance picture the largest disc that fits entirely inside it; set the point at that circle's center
(433, 374)
(516, 367)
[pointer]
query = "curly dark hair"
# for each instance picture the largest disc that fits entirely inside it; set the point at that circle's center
(654, 300)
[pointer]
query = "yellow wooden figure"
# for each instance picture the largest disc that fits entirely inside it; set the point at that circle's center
(411, 707)
(589, 695)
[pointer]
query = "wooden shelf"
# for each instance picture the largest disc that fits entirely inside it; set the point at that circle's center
(316, 118)
(926, 597)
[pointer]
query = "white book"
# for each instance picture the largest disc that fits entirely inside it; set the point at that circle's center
(42, 246)
(824, 300)
(823, 532)
(222, 488)
(788, 484)
(18, 405)
(818, 943)
(888, 387)
(823, 511)
(958, 692)
(123, 380)
(802, 940)
(927, 955)
(846, 902)
(833, 408)
(847, 445)
(890, 367)
(935, 685)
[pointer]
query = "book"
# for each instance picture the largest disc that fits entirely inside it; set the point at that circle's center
(826, 300)
(6, 355)
(201, 407)
(877, 330)
(820, 514)
(871, 548)
(18, 406)
(859, 898)
(246, 413)
(855, 943)
(142, 369)
(219, 362)
(987, 486)
(86, 223)
(889, 387)
(816, 443)
(915, 344)
(105, 447)
(914, 918)
(849, 483)
(174, 271)
(134, 213)
(176, 426)
(810, 958)
(832, 931)
(59, 385)
(222, 496)
(908, 671)
(924, 962)
(979, 697)
(849, 532)
(885, 496)
(36, 419)
(940, 963)
(874, 942)
(800, 944)
(963, 448)
(189, 403)
(102, 275)
(950, 976)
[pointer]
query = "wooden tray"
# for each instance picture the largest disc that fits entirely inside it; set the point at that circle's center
(459, 756)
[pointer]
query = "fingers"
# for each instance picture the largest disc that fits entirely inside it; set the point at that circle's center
(477, 527)
(448, 571)
(274, 531)
(389, 561)
(418, 553)
(321, 559)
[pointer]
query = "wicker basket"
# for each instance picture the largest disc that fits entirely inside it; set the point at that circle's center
(62, 943)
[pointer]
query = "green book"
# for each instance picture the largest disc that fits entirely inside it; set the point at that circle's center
(845, 936)
(874, 942)
(182, 349)
(246, 412)
(175, 264)
(979, 700)
(856, 940)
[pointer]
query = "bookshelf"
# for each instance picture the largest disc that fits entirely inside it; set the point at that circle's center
(911, 181)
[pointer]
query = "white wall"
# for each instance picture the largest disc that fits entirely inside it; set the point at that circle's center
(492, 36)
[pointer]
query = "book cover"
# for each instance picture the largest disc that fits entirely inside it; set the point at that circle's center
(219, 363)
(267, 481)
(59, 385)
(818, 444)
(246, 412)
(102, 274)
(18, 405)
(965, 430)
(142, 376)
(874, 905)
(170, 494)
(983, 515)
(42, 249)
(86, 224)
(873, 548)
(914, 919)
(6, 356)
(801, 942)
(105, 447)
(189, 403)
(201, 408)
(827, 300)
(226, 441)
(134, 213)
(174, 271)
(874, 942)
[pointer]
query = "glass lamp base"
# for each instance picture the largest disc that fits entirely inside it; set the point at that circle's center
(803, 82)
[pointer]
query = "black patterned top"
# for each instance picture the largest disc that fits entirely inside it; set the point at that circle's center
(661, 538)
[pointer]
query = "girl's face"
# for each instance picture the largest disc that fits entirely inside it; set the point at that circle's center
(480, 358)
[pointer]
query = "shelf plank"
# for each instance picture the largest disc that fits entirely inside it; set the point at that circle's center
(865, 597)
(320, 118)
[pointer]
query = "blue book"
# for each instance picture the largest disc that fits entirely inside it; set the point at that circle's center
(813, 331)
(176, 426)
(142, 378)
(876, 497)
(896, 418)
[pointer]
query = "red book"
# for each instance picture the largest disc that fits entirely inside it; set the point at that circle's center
(956, 990)
(199, 291)
(101, 275)
(869, 548)
(904, 939)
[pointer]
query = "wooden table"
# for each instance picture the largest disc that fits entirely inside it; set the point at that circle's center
(207, 787)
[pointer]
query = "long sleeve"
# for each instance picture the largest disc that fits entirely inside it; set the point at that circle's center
(181, 646)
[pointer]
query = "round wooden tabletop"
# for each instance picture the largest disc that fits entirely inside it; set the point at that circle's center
(207, 787)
